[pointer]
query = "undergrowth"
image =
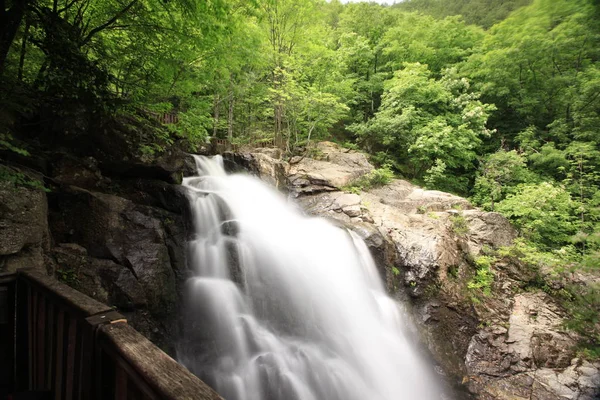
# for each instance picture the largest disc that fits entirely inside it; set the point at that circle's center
(376, 178)
(16, 179)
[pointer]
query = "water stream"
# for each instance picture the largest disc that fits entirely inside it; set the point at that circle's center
(286, 307)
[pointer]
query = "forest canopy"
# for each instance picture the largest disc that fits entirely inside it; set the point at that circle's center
(497, 101)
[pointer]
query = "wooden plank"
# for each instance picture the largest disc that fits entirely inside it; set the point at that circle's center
(169, 379)
(40, 342)
(60, 340)
(70, 368)
(78, 366)
(120, 384)
(111, 356)
(7, 277)
(105, 374)
(50, 344)
(22, 337)
(7, 336)
(134, 393)
(87, 362)
(32, 331)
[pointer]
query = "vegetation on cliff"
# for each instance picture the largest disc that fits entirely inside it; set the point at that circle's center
(499, 101)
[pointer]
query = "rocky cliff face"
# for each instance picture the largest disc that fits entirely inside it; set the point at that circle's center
(508, 344)
(112, 227)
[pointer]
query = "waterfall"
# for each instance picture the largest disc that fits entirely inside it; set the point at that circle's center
(286, 307)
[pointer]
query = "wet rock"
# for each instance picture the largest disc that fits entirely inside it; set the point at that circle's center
(352, 211)
(346, 200)
(313, 176)
(23, 227)
(534, 359)
(69, 170)
(23, 218)
(170, 167)
(136, 240)
(261, 163)
(101, 279)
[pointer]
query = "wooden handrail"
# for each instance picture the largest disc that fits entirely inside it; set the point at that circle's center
(152, 372)
(165, 118)
(7, 331)
(224, 144)
(75, 347)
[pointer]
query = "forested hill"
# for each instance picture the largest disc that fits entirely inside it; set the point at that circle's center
(479, 12)
(508, 114)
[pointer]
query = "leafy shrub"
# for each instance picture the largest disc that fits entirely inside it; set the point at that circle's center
(380, 176)
(16, 179)
(484, 277)
(6, 143)
(376, 178)
(544, 213)
(498, 176)
(459, 225)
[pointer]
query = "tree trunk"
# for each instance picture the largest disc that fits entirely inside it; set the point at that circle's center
(278, 124)
(230, 115)
(23, 51)
(10, 20)
(215, 115)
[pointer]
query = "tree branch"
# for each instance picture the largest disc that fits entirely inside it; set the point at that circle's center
(66, 7)
(108, 23)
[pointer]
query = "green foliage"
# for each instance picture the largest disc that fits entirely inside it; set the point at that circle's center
(499, 174)
(481, 12)
(583, 311)
(68, 275)
(193, 123)
(14, 178)
(537, 70)
(543, 212)
(434, 126)
(376, 178)
(380, 176)
(484, 277)
(499, 100)
(459, 224)
(7, 143)
(453, 271)
(438, 43)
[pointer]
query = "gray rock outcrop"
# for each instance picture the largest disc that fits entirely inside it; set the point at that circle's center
(24, 232)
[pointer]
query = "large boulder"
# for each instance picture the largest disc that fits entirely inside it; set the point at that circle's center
(266, 164)
(331, 168)
(102, 279)
(170, 167)
(23, 226)
(411, 199)
(308, 175)
(133, 255)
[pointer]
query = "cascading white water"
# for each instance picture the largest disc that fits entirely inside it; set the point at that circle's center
(286, 307)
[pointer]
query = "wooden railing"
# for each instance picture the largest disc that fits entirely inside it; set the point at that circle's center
(55, 339)
(165, 118)
(225, 145)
